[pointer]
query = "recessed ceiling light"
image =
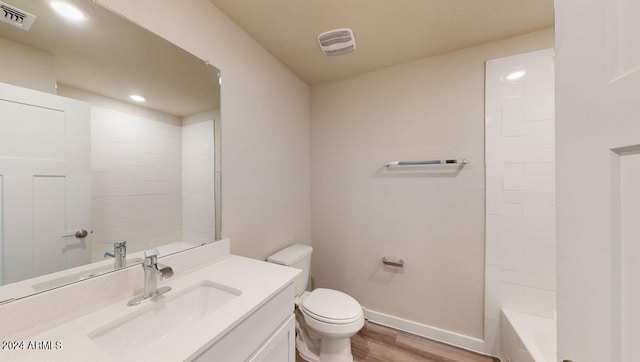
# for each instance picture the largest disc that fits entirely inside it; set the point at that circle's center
(137, 98)
(516, 75)
(68, 11)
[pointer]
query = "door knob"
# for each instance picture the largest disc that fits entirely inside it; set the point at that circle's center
(79, 234)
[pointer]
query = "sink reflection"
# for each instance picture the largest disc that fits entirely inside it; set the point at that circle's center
(164, 315)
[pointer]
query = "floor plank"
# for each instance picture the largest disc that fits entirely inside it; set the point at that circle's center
(377, 343)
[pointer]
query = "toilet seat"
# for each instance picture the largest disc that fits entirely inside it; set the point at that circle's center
(331, 306)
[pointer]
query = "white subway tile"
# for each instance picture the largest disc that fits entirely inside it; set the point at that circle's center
(493, 282)
(508, 249)
(529, 237)
(513, 263)
(539, 210)
(513, 293)
(492, 333)
(513, 102)
(494, 239)
(529, 141)
(540, 87)
(528, 183)
(541, 302)
(541, 70)
(546, 169)
(513, 169)
(537, 100)
(511, 210)
(510, 115)
(540, 225)
(510, 66)
(528, 155)
(511, 303)
(541, 267)
(512, 89)
(539, 113)
(493, 98)
(493, 191)
(494, 169)
(528, 279)
(528, 197)
(543, 309)
(523, 153)
(493, 137)
(543, 252)
(528, 128)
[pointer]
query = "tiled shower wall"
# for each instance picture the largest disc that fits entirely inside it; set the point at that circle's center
(198, 207)
(520, 183)
(136, 180)
(158, 189)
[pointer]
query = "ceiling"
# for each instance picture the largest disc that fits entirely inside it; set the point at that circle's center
(387, 32)
(110, 56)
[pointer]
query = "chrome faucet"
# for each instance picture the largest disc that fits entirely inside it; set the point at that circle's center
(151, 272)
(119, 254)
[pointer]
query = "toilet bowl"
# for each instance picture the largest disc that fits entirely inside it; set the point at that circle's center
(325, 318)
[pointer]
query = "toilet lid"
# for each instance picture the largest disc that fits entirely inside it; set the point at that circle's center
(331, 306)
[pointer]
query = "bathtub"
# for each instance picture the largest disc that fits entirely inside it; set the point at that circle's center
(527, 338)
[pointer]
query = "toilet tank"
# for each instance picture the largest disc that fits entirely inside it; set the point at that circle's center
(297, 256)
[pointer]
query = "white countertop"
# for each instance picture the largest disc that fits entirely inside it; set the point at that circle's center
(258, 281)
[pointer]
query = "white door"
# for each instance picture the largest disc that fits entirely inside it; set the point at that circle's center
(44, 179)
(598, 179)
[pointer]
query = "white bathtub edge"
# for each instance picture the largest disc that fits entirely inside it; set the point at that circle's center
(527, 327)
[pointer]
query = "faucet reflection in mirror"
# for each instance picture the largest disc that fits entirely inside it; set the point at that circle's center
(119, 253)
(150, 172)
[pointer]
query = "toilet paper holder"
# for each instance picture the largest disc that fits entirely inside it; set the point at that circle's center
(399, 263)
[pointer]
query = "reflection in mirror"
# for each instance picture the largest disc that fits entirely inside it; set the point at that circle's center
(90, 177)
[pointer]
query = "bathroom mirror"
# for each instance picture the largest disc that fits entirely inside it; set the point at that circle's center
(82, 165)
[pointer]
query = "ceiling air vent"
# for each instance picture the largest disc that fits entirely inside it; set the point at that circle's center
(16, 17)
(337, 42)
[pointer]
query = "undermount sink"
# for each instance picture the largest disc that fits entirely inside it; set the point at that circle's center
(166, 314)
(83, 275)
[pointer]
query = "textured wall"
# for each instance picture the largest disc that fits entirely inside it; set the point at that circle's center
(432, 217)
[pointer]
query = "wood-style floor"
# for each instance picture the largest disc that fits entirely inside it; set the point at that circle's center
(376, 343)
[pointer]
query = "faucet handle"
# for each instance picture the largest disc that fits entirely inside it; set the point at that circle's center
(151, 257)
(151, 253)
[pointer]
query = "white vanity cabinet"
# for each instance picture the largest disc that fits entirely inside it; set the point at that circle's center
(280, 346)
(267, 335)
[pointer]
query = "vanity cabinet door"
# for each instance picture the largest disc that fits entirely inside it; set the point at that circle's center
(281, 346)
(262, 336)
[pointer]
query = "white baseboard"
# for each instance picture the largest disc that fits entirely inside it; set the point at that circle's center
(441, 335)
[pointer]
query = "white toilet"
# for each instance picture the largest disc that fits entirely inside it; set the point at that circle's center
(325, 318)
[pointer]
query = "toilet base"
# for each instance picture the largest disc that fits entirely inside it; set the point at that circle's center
(313, 348)
(333, 352)
(305, 352)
